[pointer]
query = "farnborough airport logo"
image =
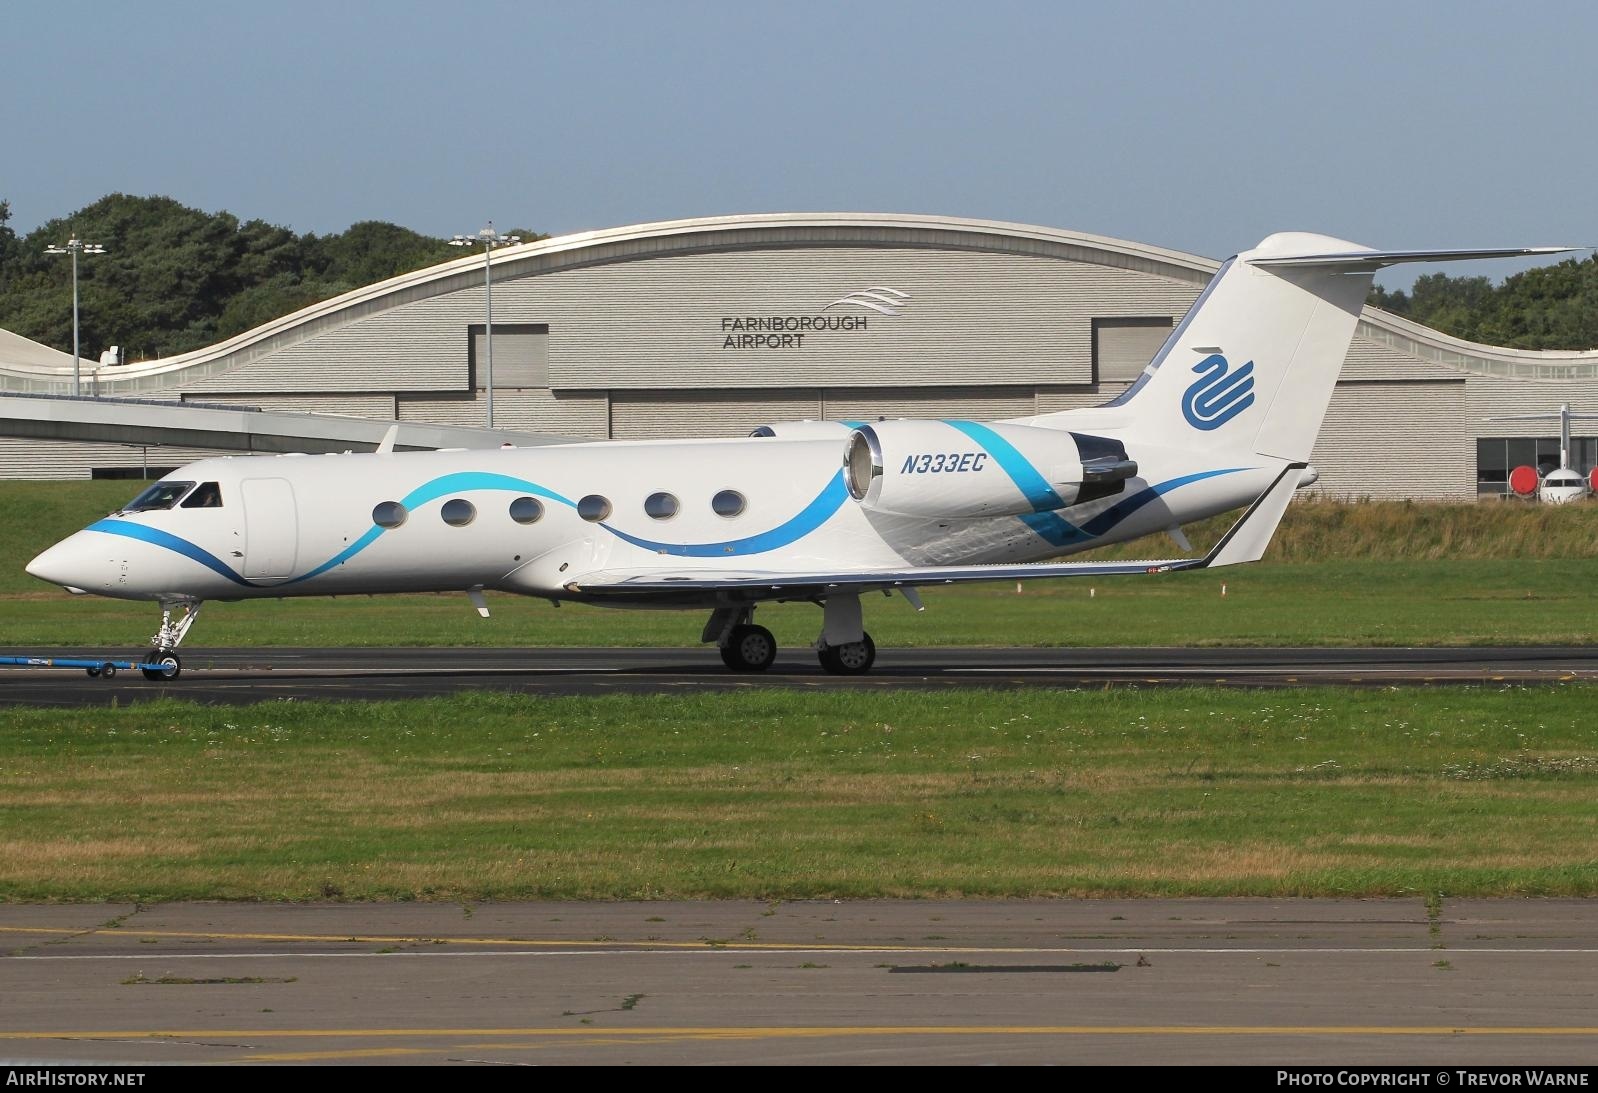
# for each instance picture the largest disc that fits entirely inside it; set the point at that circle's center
(790, 331)
(889, 301)
(1218, 395)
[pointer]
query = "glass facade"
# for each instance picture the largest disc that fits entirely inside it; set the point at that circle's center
(1498, 455)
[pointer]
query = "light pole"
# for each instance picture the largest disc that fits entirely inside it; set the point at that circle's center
(73, 247)
(488, 238)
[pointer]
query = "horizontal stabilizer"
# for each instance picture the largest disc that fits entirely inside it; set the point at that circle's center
(1364, 261)
(1247, 539)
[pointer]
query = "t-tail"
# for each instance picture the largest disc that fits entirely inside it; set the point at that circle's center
(1251, 368)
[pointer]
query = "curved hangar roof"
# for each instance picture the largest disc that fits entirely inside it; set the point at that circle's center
(755, 232)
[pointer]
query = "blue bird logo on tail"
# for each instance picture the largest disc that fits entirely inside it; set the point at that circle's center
(1218, 395)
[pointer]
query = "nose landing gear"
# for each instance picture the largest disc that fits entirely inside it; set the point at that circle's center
(163, 662)
(162, 666)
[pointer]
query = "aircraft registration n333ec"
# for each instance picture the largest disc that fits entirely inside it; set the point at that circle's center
(1223, 418)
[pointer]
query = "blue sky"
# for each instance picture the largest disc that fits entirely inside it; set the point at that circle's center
(1200, 127)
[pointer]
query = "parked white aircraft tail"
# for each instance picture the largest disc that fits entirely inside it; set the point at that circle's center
(1225, 417)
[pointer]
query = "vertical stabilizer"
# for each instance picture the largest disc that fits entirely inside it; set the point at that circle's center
(1252, 367)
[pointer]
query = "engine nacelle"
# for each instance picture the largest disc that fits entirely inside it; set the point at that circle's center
(967, 469)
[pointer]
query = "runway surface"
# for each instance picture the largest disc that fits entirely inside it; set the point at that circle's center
(236, 676)
(1177, 982)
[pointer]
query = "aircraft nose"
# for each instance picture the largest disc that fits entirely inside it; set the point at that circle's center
(66, 564)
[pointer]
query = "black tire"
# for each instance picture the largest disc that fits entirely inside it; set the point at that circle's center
(93, 673)
(853, 658)
(107, 671)
(749, 649)
(169, 667)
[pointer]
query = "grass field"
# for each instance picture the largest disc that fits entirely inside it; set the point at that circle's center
(1338, 574)
(771, 794)
(788, 794)
(1468, 602)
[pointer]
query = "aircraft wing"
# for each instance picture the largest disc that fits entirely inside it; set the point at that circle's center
(1245, 541)
(795, 582)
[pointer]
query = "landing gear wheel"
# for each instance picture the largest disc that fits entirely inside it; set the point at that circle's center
(166, 666)
(749, 649)
(853, 658)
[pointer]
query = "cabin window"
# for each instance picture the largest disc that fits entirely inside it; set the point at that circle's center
(526, 510)
(593, 508)
(162, 495)
(388, 514)
(207, 495)
(727, 503)
(458, 512)
(660, 506)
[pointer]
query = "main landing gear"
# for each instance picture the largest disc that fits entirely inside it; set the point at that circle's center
(749, 648)
(844, 648)
(852, 658)
(163, 661)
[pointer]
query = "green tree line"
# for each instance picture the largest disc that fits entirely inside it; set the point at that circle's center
(1550, 307)
(176, 278)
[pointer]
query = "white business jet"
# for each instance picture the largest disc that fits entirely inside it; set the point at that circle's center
(1224, 417)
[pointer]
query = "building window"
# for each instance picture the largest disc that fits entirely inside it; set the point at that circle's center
(118, 473)
(660, 506)
(727, 503)
(388, 514)
(526, 510)
(1496, 456)
(521, 355)
(593, 508)
(1122, 348)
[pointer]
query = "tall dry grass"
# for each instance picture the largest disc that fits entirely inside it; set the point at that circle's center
(1318, 529)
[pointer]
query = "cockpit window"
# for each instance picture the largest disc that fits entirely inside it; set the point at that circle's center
(162, 495)
(207, 495)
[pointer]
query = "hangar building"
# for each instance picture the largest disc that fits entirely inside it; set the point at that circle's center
(714, 326)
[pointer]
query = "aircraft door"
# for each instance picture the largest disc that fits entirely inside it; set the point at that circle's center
(271, 527)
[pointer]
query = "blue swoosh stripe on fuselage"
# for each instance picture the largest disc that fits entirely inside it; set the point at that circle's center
(155, 536)
(1054, 529)
(808, 519)
(1027, 478)
(812, 516)
(461, 481)
(371, 536)
(458, 482)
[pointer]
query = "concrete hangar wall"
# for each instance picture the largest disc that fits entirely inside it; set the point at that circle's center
(715, 326)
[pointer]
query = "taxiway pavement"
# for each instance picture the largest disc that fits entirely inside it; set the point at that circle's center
(237, 676)
(889, 982)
